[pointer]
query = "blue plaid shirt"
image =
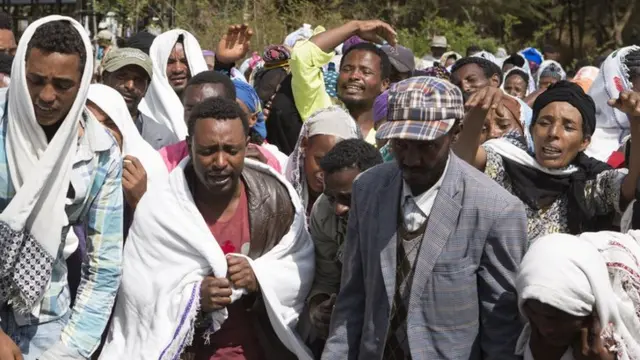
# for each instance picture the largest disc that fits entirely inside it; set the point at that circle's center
(98, 203)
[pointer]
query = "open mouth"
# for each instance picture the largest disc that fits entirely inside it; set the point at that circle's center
(551, 151)
(219, 180)
(353, 88)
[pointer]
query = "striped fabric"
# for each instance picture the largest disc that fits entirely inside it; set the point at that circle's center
(422, 108)
(97, 204)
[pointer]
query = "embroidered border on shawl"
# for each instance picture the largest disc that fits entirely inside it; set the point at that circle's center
(173, 350)
(25, 269)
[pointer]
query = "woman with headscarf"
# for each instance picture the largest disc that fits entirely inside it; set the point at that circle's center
(563, 189)
(449, 58)
(276, 68)
(580, 296)
(516, 82)
(319, 134)
(549, 73)
(248, 100)
(620, 72)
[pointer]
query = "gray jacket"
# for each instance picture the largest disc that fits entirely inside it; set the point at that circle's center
(463, 303)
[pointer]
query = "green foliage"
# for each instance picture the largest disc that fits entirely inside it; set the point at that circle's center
(460, 35)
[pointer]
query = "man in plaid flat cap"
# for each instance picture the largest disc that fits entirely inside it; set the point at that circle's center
(432, 246)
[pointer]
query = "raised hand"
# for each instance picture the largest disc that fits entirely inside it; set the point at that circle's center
(235, 44)
(628, 102)
(375, 31)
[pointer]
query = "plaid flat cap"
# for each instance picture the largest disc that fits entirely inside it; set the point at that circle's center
(421, 108)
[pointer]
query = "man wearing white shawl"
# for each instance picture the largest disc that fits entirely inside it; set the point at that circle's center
(59, 168)
(176, 57)
(581, 294)
(224, 235)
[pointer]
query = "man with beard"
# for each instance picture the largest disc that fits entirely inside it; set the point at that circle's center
(238, 239)
(430, 261)
(363, 74)
(59, 167)
(328, 226)
(471, 74)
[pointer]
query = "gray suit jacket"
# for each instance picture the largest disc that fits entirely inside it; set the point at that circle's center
(463, 302)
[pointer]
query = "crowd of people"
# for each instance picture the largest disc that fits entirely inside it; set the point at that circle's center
(330, 197)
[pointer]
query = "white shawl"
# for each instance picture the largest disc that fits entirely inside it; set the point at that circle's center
(545, 64)
(612, 125)
(168, 252)
(161, 103)
(110, 101)
(580, 275)
(40, 172)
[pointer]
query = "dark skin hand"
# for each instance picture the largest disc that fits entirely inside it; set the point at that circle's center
(215, 293)
(241, 274)
(8, 349)
(369, 30)
(134, 180)
(590, 345)
(235, 44)
(467, 145)
(629, 103)
(321, 308)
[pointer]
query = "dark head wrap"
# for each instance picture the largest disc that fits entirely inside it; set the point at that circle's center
(539, 190)
(141, 41)
(437, 71)
(516, 60)
(276, 54)
(565, 91)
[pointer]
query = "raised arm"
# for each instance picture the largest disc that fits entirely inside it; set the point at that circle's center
(467, 146)
(629, 103)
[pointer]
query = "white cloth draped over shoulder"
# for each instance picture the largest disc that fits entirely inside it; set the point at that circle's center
(612, 125)
(40, 172)
(581, 275)
(161, 103)
(160, 293)
(112, 104)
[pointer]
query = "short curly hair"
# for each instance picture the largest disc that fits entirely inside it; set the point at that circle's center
(351, 153)
(61, 37)
(217, 108)
(488, 68)
(385, 64)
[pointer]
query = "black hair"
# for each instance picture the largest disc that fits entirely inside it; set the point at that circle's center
(632, 61)
(385, 64)
(141, 41)
(215, 77)
(518, 72)
(571, 74)
(120, 42)
(488, 68)
(220, 109)
(6, 22)
(472, 49)
(60, 37)
(516, 60)
(351, 153)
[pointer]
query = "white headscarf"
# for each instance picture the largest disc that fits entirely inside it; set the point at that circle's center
(110, 101)
(328, 121)
(545, 64)
(612, 125)
(575, 275)
(487, 56)
(161, 103)
(529, 83)
(40, 172)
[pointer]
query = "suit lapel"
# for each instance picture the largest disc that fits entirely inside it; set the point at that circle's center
(387, 229)
(441, 223)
